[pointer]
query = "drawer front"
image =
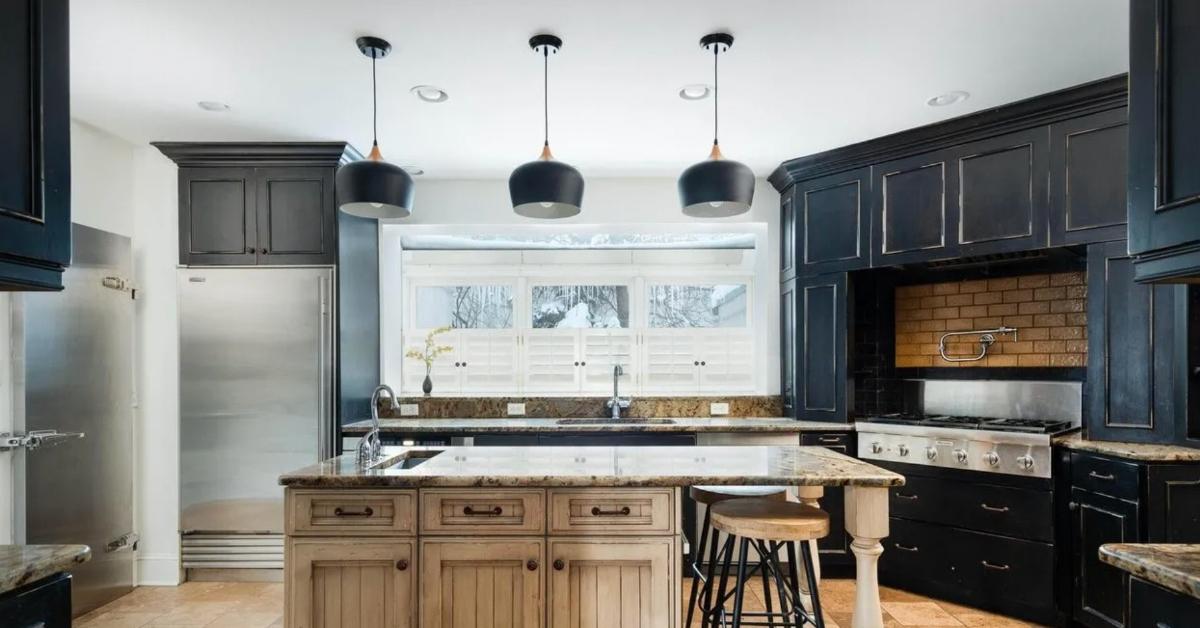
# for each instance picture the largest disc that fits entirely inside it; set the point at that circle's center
(838, 441)
(361, 512)
(1151, 606)
(1104, 475)
(472, 511)
(915, 551)
(1019, 512)
(1009, 575)
(615, 512)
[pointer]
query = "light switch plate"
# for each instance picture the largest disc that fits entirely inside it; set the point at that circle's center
(516, 409)
(718, 408)
(410, 409)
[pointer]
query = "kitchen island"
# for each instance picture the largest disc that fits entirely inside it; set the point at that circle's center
(534, 536)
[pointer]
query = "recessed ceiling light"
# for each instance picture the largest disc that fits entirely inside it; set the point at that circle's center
(429, 93)
(415, 171)
(212, 105)
(949, 98)
(695, 91)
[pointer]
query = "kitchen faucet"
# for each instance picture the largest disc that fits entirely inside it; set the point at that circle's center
(617, 403)
(369, 446)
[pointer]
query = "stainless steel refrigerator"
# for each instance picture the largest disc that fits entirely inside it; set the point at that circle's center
(256, 395)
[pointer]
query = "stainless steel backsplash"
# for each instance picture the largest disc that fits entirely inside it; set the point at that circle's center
(1004, 399)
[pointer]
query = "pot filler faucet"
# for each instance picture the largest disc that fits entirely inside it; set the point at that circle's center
(617, 403)
(370, 445)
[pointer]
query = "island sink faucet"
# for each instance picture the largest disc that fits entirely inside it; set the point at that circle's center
(617, 403)
(370, 445)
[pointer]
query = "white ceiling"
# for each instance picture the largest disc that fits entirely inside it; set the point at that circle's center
(803, 75)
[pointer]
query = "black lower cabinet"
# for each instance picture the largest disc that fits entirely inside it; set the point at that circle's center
(1152, 606)
(834, 549)
(42, 604)
(1097, 519)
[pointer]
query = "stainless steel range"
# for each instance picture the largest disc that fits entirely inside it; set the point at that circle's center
(1011, 446)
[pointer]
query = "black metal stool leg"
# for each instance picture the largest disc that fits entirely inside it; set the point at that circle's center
(764, 559)
(740, 584)
(697, 557)
(797, 596)
(780, 586)
(713, 613)
(810, 572)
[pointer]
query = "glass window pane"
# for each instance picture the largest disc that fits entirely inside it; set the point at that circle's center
(580, 307)
(684, 306)
(464, 307)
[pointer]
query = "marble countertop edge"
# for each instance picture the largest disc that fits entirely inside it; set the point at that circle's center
(24, 564)
(1173, 566)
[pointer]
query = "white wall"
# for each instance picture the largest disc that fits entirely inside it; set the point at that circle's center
(480, 206)
(101, 179)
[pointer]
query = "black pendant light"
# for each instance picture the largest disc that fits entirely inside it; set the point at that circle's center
(373, 188)
(716, 187)
(546, 188)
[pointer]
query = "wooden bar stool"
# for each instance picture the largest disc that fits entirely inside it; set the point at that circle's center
(709, 495)
(770, 525)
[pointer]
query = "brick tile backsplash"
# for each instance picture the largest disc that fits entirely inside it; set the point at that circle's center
(1048, 310)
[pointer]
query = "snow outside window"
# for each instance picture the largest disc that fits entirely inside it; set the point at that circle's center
(580, 307)
(464, 307)
(696, 306)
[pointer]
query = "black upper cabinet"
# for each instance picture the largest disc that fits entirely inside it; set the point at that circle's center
(914, 213)
(264, 204)
(822, 319)
(1164, 138)
(833, 222)
(787, 235)
(1000, 189)
(1087, 178)
(787, 346)
(35, 145)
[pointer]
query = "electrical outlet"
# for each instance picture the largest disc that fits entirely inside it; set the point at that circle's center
(410, 409)
(718, 408)
(516, 409)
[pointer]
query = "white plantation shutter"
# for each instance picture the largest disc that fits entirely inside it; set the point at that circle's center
(550, 357)
(491, 361)
(446, 378)
(728, 358)
(668, 361)
(600, 350)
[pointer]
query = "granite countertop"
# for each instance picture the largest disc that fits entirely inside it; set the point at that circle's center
(1132, 451)
(23, 564)
(517, 425)
(599, 466)
(1172, 566)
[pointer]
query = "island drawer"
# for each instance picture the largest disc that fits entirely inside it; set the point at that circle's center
(475, 511)
(613, 512)
(318, 512)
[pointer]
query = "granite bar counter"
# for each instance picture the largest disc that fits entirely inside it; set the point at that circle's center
(521, 425)
(1172, 566)
(23, 564)
(1144, 452)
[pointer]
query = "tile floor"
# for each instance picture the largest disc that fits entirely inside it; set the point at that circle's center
(260, 605)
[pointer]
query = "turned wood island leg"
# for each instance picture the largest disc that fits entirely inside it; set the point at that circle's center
(867, 522)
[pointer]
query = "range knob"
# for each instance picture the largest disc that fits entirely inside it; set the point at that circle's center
(960, 455)
(992, 458)
(1025, 462)
(876, 448)
(903, 449)
(931, 453)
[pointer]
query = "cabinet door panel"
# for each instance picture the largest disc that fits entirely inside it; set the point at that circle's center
(600, 351)
(1099, 591)
(787, 347)
(482, 584)
(913, 213)
(611, 583)
(297, 223)
(670, 361)
(787, 234)
(726, 361)
(488, 360)
(833, 221)
(1002, 193)
(821, 347)
(552, 360)
(1173, 504)
(350, 583)
(217, 221)
(1087, 178)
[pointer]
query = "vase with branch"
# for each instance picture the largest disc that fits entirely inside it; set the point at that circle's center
(427, 354)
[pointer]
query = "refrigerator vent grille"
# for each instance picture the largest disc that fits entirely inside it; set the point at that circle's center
(233, 551)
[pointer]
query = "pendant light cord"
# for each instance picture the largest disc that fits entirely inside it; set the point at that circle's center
(546, 95)
(374, 107)
(716, 91)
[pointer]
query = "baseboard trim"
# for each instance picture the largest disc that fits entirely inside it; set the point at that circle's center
(162, 570)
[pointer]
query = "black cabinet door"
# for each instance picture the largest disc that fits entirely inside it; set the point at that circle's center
(218, 223)
(1152, 606)
(1129, 392)
(42, 604)
(1164, 138)
(35, 145)
(787, 346)
(1000, 189)
(297, 219)
(822, 317)
(834, 547)
(1099, 589)
(1172, 507)
(833, 222)
(1087, 178)
(787, 234)
(914, 213)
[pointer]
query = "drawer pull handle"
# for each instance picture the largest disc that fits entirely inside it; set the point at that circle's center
(829, 439)
(531, 565)
(1162, 624)
(471, 512)
(907, 548)
(365, 512)
(909, 496)
(559, 565)
(996, 567)
(985, 506)
(402, 565)
(1107, 477)
(623, 512)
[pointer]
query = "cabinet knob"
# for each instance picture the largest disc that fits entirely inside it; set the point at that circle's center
(262, 251)
(1073, 506)
(696, 363)
(583, 364)
(559, 565)
(456, 364)
(703, 363)
(250, 250)
(402, 564)
(531, 565)
(576, 363)
(464, 363)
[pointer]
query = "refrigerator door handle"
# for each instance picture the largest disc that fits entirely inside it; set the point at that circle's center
(325, 368)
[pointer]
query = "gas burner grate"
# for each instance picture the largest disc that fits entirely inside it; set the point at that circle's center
(1035, 426)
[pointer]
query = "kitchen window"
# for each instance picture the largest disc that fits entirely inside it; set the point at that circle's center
(463, 306)
(690, 306)
(579, 307)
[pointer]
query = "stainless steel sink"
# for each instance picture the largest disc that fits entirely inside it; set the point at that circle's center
(602, 421)
(407, 460)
